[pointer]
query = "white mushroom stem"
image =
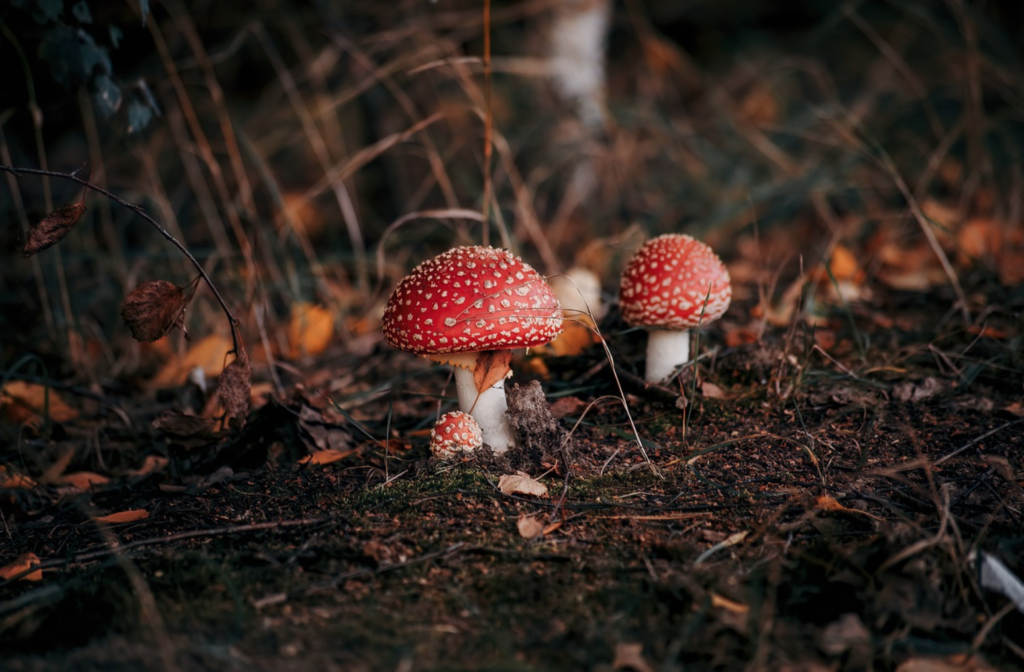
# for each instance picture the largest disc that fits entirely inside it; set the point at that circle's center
(666, 351)
(487, 408)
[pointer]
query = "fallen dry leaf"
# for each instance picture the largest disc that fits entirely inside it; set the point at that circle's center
(577, 335)
(209, 354)
(954, 663)
(51, 229)
(826, 503)
(54, 472)
(129, 516)
(740, 336)
(22, 564)
(12, 479)
(522, 483)
(711, 391)
(310, 330)
(1015, 408)
(551, 527)
(630, 655)
(843, 634)
(18, 393)
(491, 367)
(564, 406)
(529, 527)
(83, 480)
(150, 465)
(537, 367)
(326, 456)
(176, 423)
(725, 603)
(843, 265)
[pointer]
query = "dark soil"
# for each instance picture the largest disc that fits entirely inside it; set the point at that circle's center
(810, 519)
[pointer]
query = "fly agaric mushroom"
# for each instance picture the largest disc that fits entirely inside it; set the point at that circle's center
(455, 432)
(465, 302)
(673, 283)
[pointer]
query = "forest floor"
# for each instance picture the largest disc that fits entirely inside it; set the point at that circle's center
(825, 503)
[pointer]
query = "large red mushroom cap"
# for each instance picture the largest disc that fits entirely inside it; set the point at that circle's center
(471, 299)
(665, 284)
(455, 432)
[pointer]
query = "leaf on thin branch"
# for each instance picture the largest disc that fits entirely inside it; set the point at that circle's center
(234, 387)
(155, 307)
(491, 367)
(51, 229)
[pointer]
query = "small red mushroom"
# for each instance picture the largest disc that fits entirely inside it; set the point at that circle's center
(455, 432)
(673, 283)
(466, 301)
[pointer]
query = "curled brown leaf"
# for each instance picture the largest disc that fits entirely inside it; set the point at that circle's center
(492, 367)
(234, 387)
(51, 229)
(155, 307)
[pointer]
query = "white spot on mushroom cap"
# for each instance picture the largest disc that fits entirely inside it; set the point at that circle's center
(666, 283)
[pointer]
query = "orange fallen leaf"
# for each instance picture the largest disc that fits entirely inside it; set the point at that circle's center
(129, 516)
(843, 265)
(326, 456)
(12, 479)
(740, 336)
(825, 338)
(310, 330)
(150, 465)
(18, 393)
(986, 331)
(576, 336)
(629, 656)
(536, 366)
(551, 527)
(564, 406)
(83, 480)
(57, 469)
(1016, 408)
(529, 527)
(826, 503)
(973, 240)
(208, 354)
(301, 214)
(727, 604)
(22, 564)
(953, 663)
(711, 391)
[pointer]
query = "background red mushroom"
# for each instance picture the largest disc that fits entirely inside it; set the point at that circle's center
(673, 283)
